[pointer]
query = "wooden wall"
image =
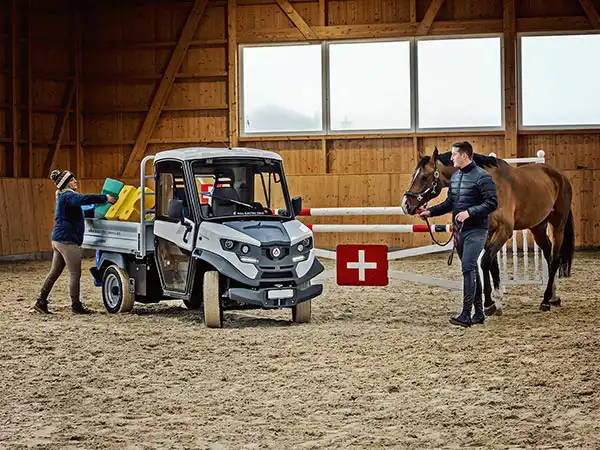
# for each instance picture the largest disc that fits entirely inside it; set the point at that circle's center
(107, 62)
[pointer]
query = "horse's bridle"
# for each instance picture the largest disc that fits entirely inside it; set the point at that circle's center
(432, 191)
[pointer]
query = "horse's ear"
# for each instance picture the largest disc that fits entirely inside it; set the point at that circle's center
(436, 154)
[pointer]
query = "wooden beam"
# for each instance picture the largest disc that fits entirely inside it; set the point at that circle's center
(429, 17)
(78, 153)
(164, 88)
(13, 160)
(297, 19)
(232, 66)
(323, 13)
(413, 10)
(29, 92)
(510, 79)
(138, 109)
(407, 29)
(59, 130)
(334, 137)
(99, 77)
(92, 45)
(590, 12)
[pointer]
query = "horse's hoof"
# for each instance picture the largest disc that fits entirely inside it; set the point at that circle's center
(555, 302)
(499, 311)
(544, 307)
(491, 310)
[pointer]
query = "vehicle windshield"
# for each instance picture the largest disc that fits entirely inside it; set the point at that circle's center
(242, 187)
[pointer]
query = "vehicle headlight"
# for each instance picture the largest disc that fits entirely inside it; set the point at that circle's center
(304, 245)
(245, 249)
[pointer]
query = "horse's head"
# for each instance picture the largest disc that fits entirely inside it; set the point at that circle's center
(428, 180)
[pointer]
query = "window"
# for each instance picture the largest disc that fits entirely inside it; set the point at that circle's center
(251, 188)
(171, 186)
(282, 89)
(559, 80)
(369, 86)
(459, 83)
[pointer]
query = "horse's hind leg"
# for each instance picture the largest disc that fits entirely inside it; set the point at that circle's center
(543, 241)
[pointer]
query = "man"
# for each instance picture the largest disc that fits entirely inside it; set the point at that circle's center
(471, 198)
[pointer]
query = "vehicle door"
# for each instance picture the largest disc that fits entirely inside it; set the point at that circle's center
(174, 227)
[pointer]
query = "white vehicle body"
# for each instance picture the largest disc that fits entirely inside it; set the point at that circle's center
(264, 256)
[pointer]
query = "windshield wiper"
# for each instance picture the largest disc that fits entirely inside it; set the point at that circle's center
(207, 194)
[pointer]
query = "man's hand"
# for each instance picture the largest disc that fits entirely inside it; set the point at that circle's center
(425, 214)
(462, 216)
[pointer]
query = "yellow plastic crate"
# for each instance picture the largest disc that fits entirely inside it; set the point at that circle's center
(130, 212)
(118, 207)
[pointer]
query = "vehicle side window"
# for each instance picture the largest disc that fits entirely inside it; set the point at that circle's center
(171, 188)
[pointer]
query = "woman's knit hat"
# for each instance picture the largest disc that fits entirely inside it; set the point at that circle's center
(61, 178)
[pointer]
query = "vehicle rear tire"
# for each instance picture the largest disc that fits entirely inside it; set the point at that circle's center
(301, 312)
(213, 314)
(115, 290)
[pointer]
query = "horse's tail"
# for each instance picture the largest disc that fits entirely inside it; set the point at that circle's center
(567, 249)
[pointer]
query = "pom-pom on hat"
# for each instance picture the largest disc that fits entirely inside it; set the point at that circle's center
(61, 178)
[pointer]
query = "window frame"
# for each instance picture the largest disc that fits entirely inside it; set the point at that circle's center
(411, 129)
(241, 108)
(186, 190)
(438, 130)
(519, 82)
(414, 97)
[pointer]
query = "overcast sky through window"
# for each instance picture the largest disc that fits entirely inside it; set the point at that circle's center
(459, 84)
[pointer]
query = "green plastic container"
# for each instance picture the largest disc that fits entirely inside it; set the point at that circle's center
(111, 187)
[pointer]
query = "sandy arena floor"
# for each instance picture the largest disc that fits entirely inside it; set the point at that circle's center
(377, 367)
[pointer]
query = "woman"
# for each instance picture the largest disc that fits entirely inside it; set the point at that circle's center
(67, 237)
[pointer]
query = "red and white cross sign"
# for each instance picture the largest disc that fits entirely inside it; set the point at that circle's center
(362, 265)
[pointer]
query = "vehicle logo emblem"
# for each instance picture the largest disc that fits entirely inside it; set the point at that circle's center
(276, 252)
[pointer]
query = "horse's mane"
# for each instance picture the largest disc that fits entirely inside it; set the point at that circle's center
(480, 160)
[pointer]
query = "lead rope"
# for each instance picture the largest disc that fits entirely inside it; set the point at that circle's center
(455, 233)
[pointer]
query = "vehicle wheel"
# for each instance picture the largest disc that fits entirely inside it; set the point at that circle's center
(213, 315)
(301, 312)
(115, 290)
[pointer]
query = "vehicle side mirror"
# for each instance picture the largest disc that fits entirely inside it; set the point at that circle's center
(297, 205)
(176, 209)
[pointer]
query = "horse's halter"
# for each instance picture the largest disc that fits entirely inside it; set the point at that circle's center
(432, 191)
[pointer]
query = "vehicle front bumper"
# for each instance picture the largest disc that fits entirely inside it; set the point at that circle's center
(275, 297)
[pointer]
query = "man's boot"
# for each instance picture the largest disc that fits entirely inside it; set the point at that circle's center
(78, 308)
(478, 317)
(469, 289)
(41, 306)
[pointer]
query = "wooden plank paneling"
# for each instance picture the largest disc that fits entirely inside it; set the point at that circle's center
(160, 98)
(372, 156)
(299, 157)
(481, 144)
(543, 8)
(564, 151)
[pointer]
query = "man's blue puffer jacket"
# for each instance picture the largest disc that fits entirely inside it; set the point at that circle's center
(69, 225)
(473, 190)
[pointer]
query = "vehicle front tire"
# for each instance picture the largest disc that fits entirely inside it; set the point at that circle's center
(213, 314)
(301, 312)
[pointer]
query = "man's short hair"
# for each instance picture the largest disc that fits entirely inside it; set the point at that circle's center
(465, 148)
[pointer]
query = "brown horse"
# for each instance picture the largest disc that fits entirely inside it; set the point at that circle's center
(529, 197)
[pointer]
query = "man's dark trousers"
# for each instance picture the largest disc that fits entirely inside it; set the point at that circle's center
(471, 243)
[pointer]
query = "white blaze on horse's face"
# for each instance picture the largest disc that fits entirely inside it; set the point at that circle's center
(405, 199)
